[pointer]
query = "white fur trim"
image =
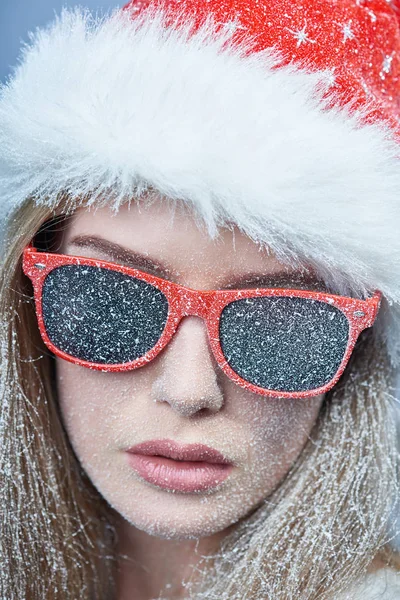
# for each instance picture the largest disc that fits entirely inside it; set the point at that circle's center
(381, 585)
(108, 107)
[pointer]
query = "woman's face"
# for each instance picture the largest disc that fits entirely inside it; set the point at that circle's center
(182, 396)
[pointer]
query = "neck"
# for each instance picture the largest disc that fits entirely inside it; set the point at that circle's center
(152, 567)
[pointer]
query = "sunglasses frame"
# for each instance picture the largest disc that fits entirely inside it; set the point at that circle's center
(206, 304)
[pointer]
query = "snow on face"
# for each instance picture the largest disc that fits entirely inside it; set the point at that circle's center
(181, 395)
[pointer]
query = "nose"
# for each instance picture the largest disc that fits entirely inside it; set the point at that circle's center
(187, 376)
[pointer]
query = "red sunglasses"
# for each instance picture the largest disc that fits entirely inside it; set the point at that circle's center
(274, 342)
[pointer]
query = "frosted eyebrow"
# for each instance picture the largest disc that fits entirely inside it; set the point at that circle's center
(128, 257)
(279, 279)
(122, 255)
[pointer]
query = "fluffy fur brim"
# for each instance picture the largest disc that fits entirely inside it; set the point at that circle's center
(107, 108)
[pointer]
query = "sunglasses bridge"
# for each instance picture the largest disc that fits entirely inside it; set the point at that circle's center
(195, 303)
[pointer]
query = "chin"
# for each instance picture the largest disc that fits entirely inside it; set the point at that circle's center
(174, 527)
(174, 515)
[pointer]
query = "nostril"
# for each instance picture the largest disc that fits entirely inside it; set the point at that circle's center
(203, 412)
(190, 407)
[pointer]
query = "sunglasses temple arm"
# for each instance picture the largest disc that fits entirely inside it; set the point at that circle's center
(375, 303)
(30, 247)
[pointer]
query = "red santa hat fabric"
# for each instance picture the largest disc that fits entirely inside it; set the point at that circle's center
(358, 41)
(279, 116)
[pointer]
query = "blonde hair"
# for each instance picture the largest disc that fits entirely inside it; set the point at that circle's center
(309, 540)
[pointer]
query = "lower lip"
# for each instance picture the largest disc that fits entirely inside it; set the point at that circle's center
(180, 476)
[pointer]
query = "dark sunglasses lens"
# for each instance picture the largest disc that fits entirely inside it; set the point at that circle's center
(282, 343)
(102, 316)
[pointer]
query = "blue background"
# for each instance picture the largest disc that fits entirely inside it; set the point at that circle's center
(18, 17)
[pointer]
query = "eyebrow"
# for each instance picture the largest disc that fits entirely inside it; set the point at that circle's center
(125, 256)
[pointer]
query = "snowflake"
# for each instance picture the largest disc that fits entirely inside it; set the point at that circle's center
(348, 32)
(301, 36)
(386, 65)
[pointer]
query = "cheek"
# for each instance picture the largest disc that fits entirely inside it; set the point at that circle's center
(81, 403)
(277, 430)
(92, 405)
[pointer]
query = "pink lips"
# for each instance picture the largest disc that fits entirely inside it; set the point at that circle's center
(188, 468)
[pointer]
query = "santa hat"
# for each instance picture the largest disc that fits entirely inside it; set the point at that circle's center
(277, 115)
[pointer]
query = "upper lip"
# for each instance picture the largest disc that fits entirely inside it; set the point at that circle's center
(171, 449)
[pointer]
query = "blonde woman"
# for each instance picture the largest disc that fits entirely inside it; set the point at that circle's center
(200, 304)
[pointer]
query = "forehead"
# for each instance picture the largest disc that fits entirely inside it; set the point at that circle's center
(171, 236)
